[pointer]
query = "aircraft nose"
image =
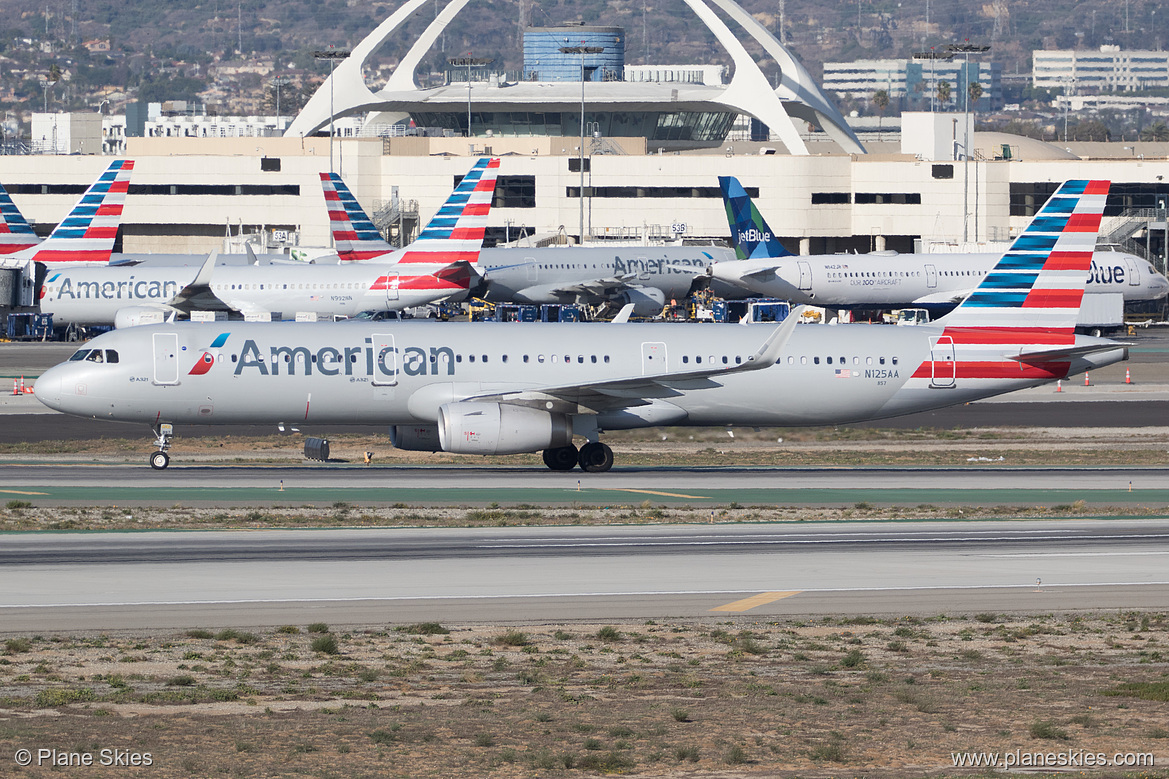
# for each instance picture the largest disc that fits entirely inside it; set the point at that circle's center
(47, 388)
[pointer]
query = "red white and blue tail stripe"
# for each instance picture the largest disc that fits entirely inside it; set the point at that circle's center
(86, 235)
(354, 235)
(16, 234)
(1039, 282)
(455, 234)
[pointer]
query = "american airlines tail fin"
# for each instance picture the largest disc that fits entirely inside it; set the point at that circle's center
(86, 235)
(455, 234)
(16, 234)
(354, 235)
(1039, 282)
(750, 235)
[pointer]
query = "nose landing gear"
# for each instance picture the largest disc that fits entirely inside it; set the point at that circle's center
(163, 433)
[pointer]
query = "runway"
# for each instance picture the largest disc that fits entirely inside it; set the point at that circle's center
(174, 580)
(469, 485)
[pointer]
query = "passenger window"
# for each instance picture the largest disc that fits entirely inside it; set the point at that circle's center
(458, 358)
(739, 360)
(791, 360)
(698, 359)
(856, 360)
(606, 358)
(816, 360)
(525, 358)
(882, 360)
(234, 358)
(724, 359)
(829, 360)
(484, 358)
(580, 358)
(471, 358)
(685, 359)
(540, 358)
(594, 358)
(894, 360)
(868, 361)
(505, 358)
(803, 361)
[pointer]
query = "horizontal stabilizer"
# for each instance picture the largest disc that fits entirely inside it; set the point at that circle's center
(1047, 355)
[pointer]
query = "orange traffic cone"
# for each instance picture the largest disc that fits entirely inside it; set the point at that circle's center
(1086, 382)
(15, 387)
(1127, 376)
(1059, 385)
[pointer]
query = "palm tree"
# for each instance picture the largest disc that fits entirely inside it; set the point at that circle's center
(881, 101)
(943, 92)
(1158, 131)
(975, 92)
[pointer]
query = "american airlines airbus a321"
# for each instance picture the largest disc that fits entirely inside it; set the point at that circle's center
(479, 388)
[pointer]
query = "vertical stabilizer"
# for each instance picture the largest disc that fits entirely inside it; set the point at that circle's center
(1039, 282)
(455, 234)
(354, 235)
(750, 235)
(86, 235)
(16, 234)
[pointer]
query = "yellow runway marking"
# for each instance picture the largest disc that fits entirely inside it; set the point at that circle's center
(746, 604)
(653, 492)
(18, 492)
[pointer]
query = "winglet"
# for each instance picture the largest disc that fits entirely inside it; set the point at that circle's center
(769, 352)
(623, 315)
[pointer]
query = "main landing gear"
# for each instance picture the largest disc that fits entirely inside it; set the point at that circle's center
(163, 434)
(593, 457)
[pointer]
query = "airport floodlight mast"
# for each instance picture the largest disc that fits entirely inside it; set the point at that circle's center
(933, 56)
(332, 55)
(468, 62)
(279, 81)
(582, 51)
(967, 48)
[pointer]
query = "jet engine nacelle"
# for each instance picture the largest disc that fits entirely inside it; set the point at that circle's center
(647, 301)
(471, 427)
(415, 438)
(133, 316)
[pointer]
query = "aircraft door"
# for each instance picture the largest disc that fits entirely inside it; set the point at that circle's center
(166, 358)
(532, 268)
(385, 361)
(392, 282)
(805, 274)
(1134, 272)
(653, 358)
(943, 365)
(931, 276)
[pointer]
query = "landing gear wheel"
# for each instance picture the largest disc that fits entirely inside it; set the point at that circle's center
(159, 460)
(595, 457)
(562, 458)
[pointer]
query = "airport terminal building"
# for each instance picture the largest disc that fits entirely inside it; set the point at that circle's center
(648, 169)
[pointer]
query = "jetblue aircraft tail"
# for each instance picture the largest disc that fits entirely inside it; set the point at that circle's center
(455, 234)
(750, 235)
(86, 235)
(1039, 282)
(16, 234)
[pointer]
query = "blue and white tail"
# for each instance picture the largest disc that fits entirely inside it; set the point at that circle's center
(1039, 282)
(86, 235)
(16, 234)
(750, 235)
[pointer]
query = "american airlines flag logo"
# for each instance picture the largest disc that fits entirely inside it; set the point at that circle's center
(843, 373)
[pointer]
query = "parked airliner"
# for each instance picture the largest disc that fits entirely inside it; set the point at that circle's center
(887, 279)
(646, 276)
(86, 235)
(499, 388)
(437, 265)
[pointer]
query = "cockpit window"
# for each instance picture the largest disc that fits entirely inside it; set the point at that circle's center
(111, 355)
(95, 356)
(79, 355)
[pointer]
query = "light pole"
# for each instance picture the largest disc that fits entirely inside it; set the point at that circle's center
(278, 82)
(332, 55)
(594, 137)
(582, 51)
(967, 48)
(933, 56)
(467, 62)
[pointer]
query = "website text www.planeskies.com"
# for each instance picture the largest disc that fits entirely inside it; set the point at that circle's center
(1067, 758)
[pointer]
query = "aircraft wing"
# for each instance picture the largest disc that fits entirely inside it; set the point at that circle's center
(761, 273)
(197, 295)
(601, 288)
(943, 298)
(1045, 355)
(641, 390)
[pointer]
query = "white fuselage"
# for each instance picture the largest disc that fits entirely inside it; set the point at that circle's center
(402, 372)
(898, 280)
